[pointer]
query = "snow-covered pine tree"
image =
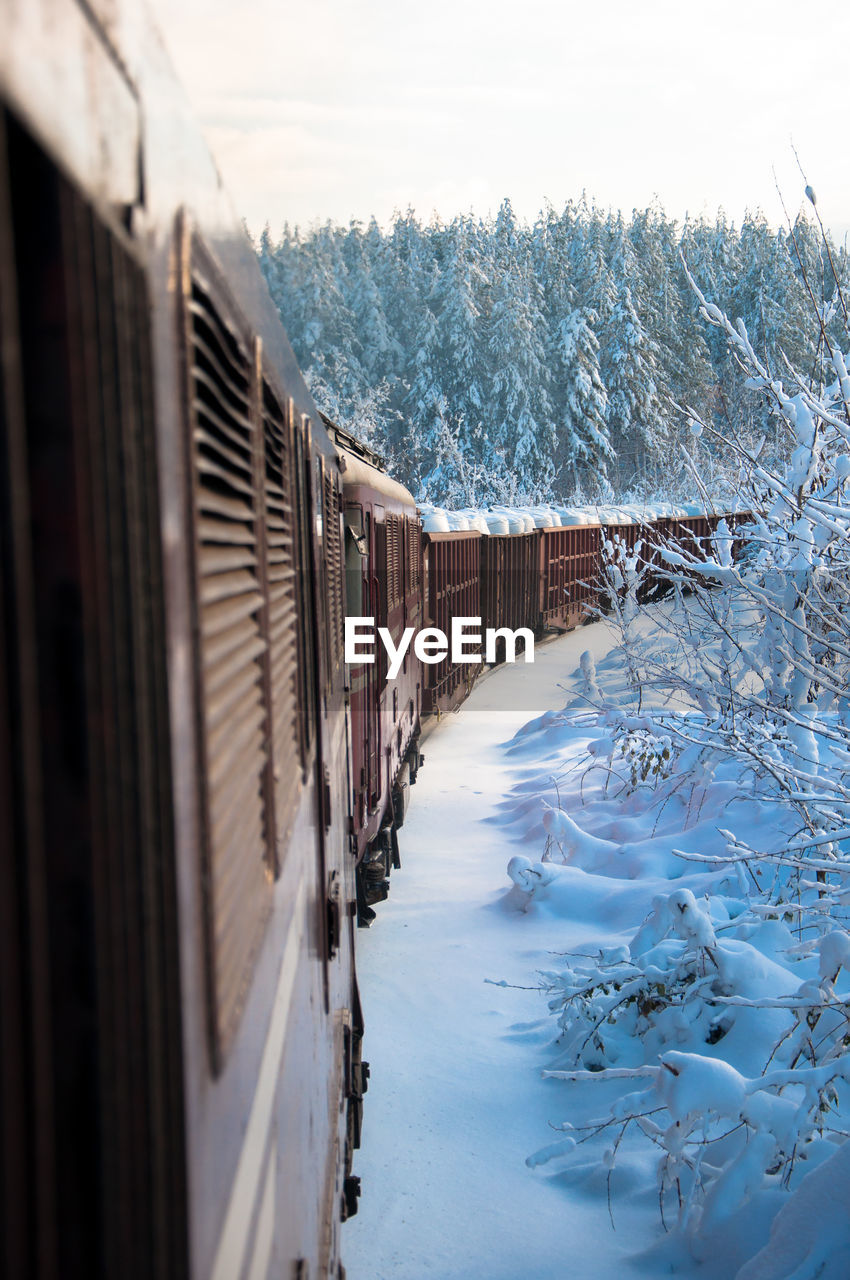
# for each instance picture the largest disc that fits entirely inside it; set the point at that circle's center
(379, 349)
(519, 376)
(584, 447)
(424, 404)
(462, 373)
(287, 267)
(630, 365)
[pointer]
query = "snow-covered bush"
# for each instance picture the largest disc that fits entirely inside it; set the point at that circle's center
(623, 576)
(723, 766)
(734, 1022)
(649, 756)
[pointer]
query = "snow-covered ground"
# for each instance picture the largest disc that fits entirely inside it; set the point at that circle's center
(462, 1174)
(455, 1104)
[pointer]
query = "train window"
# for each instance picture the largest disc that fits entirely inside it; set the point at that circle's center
(238, 843)
(356, 558)
(283, 604)
(426, 583)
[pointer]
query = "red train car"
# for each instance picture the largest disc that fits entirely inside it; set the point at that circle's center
(451, 589)
(629, 532)
(509, 583)
(656, 534)
(695, 533)
(383, 561)
(692, 531)
(568, 575)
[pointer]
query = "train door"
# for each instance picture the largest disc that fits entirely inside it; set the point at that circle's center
(378, 670)
(356, 606)
(315, 672)
(371, 609)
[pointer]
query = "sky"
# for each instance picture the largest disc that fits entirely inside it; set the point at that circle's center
(344, 109)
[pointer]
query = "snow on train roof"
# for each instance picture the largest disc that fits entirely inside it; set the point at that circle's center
(504, 519)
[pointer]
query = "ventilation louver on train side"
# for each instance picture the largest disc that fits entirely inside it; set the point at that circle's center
(395, 527)
(234, 730)
(286, 692)
(334, 570)
(414, 553)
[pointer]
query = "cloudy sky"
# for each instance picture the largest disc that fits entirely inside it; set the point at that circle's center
(345, 108)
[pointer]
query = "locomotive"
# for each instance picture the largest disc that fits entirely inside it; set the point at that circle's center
(180, 1019)
(198, 801)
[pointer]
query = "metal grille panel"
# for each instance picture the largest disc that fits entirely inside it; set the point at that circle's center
(234, 721)
(333, 570)
(283, 603)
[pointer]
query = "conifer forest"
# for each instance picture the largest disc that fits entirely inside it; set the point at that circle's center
(493, 361)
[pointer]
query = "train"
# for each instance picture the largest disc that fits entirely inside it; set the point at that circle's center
(200, 801)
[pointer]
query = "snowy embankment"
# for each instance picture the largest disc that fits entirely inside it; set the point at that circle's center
(648, 986)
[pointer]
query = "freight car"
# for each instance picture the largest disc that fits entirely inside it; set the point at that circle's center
(451, 589)
(543, 569)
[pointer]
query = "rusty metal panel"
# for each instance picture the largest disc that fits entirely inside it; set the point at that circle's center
(454, 582)
(238, 859)
(569, 574)
(509, 582)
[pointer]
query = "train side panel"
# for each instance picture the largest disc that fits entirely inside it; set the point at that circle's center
(384, 583)
(264, 874)
(452, 589)
(509, 583)
(568, 575)
(172, 649)
(93, 1118)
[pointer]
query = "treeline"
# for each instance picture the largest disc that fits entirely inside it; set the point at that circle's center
(490, 360)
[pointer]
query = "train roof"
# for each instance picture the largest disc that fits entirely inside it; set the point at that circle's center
(363, 467)
(351, 445)
(101, 94)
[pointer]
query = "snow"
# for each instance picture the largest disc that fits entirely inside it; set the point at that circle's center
(434, 520)
(496, 523)
(456, 1103)
(508, 520)
(810, 1236)
(834, 953)
(577, 1009)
